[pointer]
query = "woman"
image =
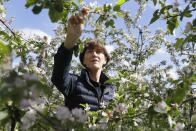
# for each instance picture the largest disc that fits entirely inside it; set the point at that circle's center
(89, 87)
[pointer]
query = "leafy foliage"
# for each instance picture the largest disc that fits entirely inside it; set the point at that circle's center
(147, 96)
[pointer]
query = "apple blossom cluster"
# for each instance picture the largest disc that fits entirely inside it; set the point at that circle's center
(93, 5)
(179, 127)
(188, 27)
(28, 120)
(121, 108)
(3, 13)
(64, 114)
(142, 8)
(35, 103)
(161, 107)
(175, 5)
(103, 105)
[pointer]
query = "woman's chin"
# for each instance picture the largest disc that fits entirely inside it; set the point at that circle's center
(94, 67)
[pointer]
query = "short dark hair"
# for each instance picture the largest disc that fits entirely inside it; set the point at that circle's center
(92, 45)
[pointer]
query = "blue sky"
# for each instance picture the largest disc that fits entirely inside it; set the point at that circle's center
(25, 19)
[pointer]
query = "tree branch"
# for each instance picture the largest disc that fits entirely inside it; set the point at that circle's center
(187, 100)
(55, 126)
(8, 28)
(180, 13)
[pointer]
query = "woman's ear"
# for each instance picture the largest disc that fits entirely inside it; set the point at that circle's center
(105, 61)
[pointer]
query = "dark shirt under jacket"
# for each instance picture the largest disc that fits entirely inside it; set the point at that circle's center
(79, 89)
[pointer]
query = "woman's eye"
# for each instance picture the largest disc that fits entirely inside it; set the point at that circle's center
(99, 51)
(90, 51)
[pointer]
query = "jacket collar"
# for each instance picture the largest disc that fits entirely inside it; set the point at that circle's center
(85, 74)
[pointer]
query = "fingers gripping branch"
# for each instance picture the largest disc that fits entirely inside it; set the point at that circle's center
(75, 28)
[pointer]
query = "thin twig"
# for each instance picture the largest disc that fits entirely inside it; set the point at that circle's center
(192, 98)
(57, 127)
(137, 115)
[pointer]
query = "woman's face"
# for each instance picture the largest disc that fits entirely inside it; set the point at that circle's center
(94, 59)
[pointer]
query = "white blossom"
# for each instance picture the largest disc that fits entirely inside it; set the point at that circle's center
(32, 77)
(19, 82)
(162, 107)
(93, 4)
(103, 126)
(179, 127)
(116, 95)
(158, 31)
(175, 106)
(79, 114)
(193, 119)
(146, 94)
(28, 120)
(87, 108)
(11, 20)
(170, 121)
(93, 127)
(63, 113)
(38, 105)
(147, 104)
(121, 108)
(3, 13)
(188, 27)
(175, 5)
(123, 80)
(103, 105)
(104, 120)
(39, 70)
(135, 123)
(25, 103)
(34, 92)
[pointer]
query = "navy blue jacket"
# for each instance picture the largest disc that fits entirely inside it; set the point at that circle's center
(79, 89)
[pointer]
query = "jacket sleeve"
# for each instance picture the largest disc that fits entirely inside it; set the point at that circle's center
(60, 76)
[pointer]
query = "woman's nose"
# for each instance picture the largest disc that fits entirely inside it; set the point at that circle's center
(94, 53)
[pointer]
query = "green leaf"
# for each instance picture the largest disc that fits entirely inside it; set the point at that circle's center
(119, 14)
(111, 80)
(188, 14)
(3, 48)
(155, 16)
(3, 115)
(106, 8)
(114, 16)
(162, 5)
(120, 74)
(194, 22)
(178, 43)
(54, 15)
(73, 2)
(180, 93)
(116, 8)
(172, 24)
(192, 38)
(120, 2)
(58, 6)
(109, 23)
(194, 4)
(155, 2)
(79, 1)
(98, 8)
(37, 9)
(29, 3)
